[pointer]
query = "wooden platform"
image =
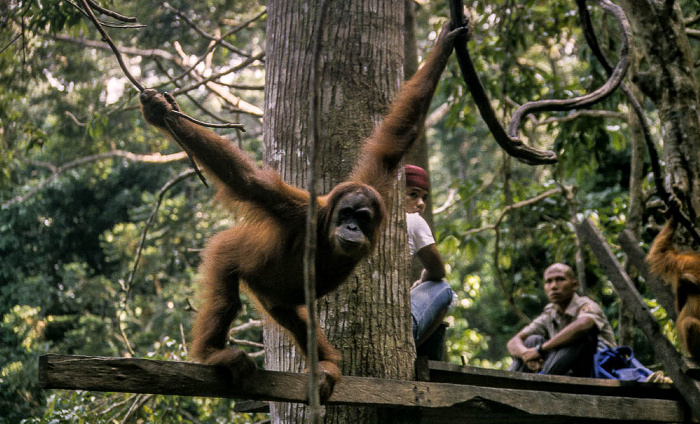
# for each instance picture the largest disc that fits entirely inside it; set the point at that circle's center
(453, 394)
(444, 372)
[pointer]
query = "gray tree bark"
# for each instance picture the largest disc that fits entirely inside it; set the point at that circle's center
(668, 79)
(368, 318)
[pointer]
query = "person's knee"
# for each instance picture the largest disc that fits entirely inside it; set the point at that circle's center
(533, 340)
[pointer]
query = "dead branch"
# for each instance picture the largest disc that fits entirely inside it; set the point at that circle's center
(692, 33)
(56, 171)
(205, 34)
(247, 343)
(218, 41)
(252, 323)
(437, 115)
(451, 194)
(131, 51)
(74, 119)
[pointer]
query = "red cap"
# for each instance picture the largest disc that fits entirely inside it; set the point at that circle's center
(417, 177)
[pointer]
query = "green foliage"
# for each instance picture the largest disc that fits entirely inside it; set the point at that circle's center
(526, 51)
(69, 240)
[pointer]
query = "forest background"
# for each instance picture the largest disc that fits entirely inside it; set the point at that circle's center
(102, 219)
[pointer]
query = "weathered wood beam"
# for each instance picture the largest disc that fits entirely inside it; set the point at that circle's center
(673, 362)
(637, 257)
(188, 379)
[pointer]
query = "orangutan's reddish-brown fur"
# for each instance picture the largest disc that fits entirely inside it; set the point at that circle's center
(682, 270)
(266, 252)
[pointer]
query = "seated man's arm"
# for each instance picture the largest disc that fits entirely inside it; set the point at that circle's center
(572, 332)
(433, 265)
(529, 355)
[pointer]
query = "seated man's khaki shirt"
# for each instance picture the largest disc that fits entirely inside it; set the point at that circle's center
(551, 321)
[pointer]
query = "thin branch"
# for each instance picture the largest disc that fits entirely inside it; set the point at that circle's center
(437, 115)
(111, 13)
(242, 342)
(499, 280)
(253, 323)
(237, 103)
(208, 124)
(125, 339)
(132, 51)
(11, 42)
(74, 119)
(161, 194)
(104, 23)
(692, 21)
(204, 33)
(155, 158)
(192, 99)
(512, 207)
(141, 400)
(217, 75)
(243, 86)
(216, 42)
(109, 41)
(183, 338)
(496, 253)
(310, 239)
(579, 113)
(451, 195)
(692, 33)
(138, 85)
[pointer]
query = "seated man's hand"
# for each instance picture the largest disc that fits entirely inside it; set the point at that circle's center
(530, 354)
(532, 359)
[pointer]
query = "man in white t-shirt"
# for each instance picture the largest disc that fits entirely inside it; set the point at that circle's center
(430, 294)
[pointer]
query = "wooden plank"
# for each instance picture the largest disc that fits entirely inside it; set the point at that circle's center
(665, 352)
(251, 406)
(637, 257)
(181, 378)
(444, 372)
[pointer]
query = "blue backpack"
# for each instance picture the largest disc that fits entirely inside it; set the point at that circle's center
(619, 364)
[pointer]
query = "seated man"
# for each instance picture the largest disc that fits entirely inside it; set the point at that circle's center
(430, 294)
(564, 338)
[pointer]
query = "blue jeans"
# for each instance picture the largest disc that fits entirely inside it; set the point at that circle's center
(428, 301)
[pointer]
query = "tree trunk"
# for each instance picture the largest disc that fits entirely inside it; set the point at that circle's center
(419, 152)
(669, 81)
(368, 318)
